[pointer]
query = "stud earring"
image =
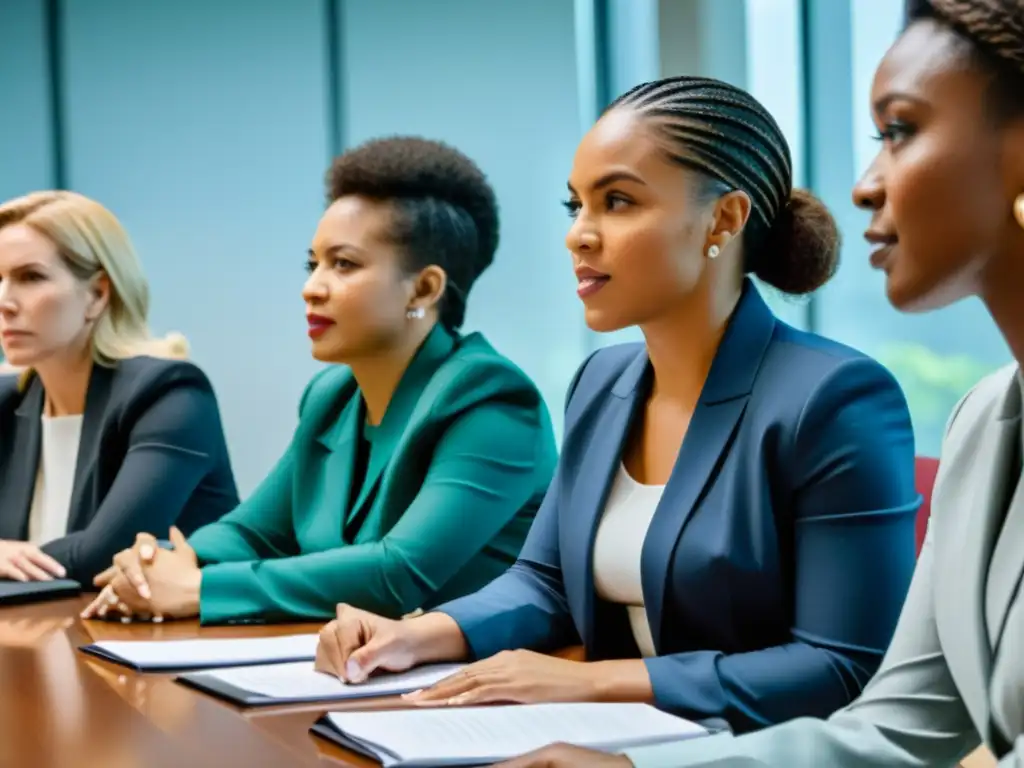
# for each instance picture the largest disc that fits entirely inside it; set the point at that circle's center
(416, 313)
(1018, 209)
(713, 252)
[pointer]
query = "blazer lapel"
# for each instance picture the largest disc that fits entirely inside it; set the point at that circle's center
(337, 444)
(24, 464)
(600, 449)
(705, 446)
(1007, 563)
(432, 353)
(985, 490)
(96, 399)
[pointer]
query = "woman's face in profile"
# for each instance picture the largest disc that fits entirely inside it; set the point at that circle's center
(357, 293)
(45, 310)
(941, 188)
(637, 237)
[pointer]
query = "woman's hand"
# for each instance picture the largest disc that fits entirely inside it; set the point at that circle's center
(131, 599)
(566, 756)
(517, 677)
(22, 561)
(170, 578)
(130, 562)
(358, 643)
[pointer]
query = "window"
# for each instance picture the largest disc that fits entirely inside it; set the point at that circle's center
(936, 357)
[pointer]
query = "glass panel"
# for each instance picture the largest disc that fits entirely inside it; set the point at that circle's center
(937, 357)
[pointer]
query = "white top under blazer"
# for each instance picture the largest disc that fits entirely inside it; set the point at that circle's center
(617, 547)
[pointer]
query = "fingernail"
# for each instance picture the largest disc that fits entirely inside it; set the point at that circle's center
(144, 592)
(112, 598)
(352, 671)
(126, 619)
(412, 695)
(158, 619)
(146, 552)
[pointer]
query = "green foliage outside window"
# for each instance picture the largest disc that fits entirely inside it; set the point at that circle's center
(933, 384)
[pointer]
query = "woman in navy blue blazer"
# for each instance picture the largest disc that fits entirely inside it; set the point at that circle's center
(730, 531)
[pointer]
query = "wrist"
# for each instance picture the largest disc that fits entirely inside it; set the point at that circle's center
(193, 586)
(620, 681)
(436, 637)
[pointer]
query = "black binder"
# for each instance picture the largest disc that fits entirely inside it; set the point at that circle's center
(21, 592)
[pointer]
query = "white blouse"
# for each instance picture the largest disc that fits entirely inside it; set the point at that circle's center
(617, 547)
(55, 480)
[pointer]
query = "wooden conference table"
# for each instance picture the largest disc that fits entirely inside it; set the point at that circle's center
(60, 708)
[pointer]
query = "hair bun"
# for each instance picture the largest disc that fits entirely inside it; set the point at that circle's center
(173, 346)
(803, 249)
(177, 345)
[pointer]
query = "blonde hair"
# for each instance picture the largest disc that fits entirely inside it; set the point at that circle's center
(91, 241)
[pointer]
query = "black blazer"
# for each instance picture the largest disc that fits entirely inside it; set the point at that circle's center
(152, 455)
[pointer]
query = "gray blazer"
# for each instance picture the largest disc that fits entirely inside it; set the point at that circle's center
(954, 674)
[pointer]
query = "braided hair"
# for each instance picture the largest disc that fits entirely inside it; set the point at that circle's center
(993, 31)
(731, 141)
(445, 211)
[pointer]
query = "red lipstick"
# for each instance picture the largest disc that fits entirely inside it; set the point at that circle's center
(318, 325)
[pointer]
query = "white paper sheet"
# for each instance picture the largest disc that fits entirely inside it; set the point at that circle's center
(197, 654)
(483, 735)
(300, 682)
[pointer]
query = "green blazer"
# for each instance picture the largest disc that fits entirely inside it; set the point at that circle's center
(455, 473)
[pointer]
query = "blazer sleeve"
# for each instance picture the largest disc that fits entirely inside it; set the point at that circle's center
(262, 526)
(171, 448)
(909, 716)
(525, 607)
(473, 488)
(258, 528)
(852, 519)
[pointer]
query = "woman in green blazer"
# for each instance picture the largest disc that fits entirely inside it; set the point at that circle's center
(417, 468)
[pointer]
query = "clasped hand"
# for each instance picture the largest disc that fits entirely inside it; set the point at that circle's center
(148, 583)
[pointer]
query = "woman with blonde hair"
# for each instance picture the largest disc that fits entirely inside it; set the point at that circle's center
(105, 431)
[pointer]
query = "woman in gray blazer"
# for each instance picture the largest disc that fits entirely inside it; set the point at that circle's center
(946, 194)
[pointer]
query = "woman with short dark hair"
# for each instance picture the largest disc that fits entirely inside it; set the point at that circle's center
(418, 465)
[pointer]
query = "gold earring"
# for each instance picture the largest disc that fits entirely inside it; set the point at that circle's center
(1018, 209)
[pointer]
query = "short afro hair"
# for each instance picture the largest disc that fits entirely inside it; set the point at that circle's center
(446, 213)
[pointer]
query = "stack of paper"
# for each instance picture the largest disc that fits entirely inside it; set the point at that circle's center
(299, 682)
(170, 655)
(451, 736)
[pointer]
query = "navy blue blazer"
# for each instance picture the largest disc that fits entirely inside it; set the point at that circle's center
(152, 455)
(782, 549)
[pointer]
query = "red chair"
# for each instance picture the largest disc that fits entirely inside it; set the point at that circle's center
(925, 469)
